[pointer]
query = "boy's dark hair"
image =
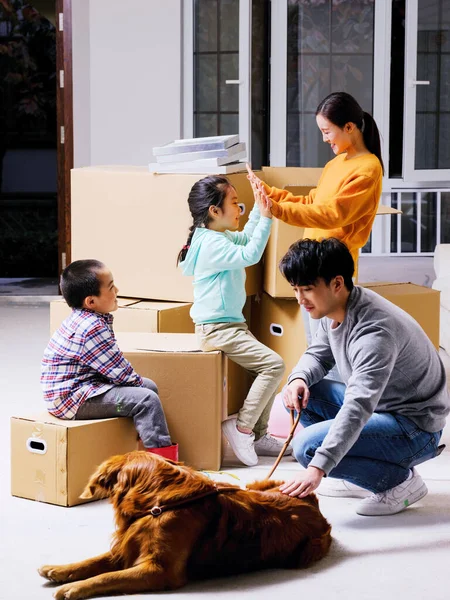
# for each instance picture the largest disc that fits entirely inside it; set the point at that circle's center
(308, 260)
(341, 108)
(79, 280)
(209, 191)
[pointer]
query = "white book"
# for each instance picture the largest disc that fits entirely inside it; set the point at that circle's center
(237, 167)
(202, 162)
(219, 142)
(209, 162)
(224, 155)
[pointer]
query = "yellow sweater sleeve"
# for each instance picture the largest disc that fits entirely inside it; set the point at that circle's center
(278, 196)
(356, 199)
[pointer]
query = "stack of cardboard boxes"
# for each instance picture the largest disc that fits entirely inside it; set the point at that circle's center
(136, 223)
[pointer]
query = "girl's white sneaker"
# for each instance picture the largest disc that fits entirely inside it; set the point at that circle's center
(242, 444)
(268, 445)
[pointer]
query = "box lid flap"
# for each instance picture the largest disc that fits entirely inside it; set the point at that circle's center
(158, 305)
(48, 419)
(125, 302)
(388, 210)
(399, 288)
(122, 302)
(385, 283)
(158, 342)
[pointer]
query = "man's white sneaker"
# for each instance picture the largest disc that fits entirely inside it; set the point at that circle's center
(339, 488)
(242, 444)
(396, 499)
(268, 445)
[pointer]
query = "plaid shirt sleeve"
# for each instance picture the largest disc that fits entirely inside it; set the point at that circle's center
(102, 354)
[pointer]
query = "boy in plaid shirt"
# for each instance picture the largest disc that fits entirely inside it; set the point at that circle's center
(84, 374)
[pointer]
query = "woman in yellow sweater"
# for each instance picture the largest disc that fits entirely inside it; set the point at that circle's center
(345, 201)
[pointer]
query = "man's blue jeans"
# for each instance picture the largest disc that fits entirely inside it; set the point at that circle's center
(388, 446)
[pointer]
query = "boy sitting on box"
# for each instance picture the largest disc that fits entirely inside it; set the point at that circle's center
(84, 374)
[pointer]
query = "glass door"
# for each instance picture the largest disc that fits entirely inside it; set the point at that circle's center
(318, 47)
(426, 153)
(221, 68)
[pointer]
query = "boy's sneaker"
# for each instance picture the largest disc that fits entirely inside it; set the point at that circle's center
(268, 445)
(242, 444)
(339, 488)
(396, 499)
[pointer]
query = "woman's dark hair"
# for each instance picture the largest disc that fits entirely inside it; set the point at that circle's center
(209, 191)
(340, 108)
(306, 261)
(79, 280)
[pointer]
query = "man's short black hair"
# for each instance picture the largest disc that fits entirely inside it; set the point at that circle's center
(306, 261)
(79, 280)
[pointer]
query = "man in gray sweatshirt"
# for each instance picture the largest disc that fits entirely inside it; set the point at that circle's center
(389, 412)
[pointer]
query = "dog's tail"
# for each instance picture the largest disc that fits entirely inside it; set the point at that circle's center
(312, 549)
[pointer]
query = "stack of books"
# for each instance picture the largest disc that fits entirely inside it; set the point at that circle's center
(218, 154)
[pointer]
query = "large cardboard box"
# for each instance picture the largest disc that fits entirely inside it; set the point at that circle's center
(299, 181)
(52, 459)
(420, 302)
(198, 390)
(278, 324)
(137, 223)
(137, 315)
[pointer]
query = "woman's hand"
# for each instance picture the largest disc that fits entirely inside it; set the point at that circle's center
(305, 484)
(254, 179)
(291, 394)
(261, 198)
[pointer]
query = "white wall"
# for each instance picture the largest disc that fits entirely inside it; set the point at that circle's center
(81, 83)
(127, 79)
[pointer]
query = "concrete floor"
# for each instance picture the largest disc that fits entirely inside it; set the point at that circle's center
(402, 556)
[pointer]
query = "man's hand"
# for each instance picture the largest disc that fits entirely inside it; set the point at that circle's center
(291, 394)
(305, 484)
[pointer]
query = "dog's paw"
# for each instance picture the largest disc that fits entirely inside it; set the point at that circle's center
(55, 573)
(70, 591)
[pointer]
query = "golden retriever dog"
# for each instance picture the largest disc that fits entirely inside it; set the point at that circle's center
(174, 524)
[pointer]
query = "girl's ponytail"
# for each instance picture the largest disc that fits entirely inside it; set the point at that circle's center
(371, 136)
(182, 253)
(209, 191)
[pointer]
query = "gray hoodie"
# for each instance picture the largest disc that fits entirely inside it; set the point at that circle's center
(387, 363)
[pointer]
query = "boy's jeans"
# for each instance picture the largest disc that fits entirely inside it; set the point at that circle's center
(140, 403)
(388, 446)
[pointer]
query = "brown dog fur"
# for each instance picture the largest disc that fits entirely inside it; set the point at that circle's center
(221, 534)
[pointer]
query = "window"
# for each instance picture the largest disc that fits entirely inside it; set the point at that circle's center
(330, 49)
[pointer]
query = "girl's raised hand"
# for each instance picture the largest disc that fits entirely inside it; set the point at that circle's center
(263, 201)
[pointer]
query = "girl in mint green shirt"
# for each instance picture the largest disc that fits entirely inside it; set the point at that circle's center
(216, 255)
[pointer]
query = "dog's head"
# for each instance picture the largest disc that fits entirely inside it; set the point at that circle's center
(137, 481)
(103, 480)
(119, 472)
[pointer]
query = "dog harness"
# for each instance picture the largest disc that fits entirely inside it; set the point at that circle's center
(155, 511)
